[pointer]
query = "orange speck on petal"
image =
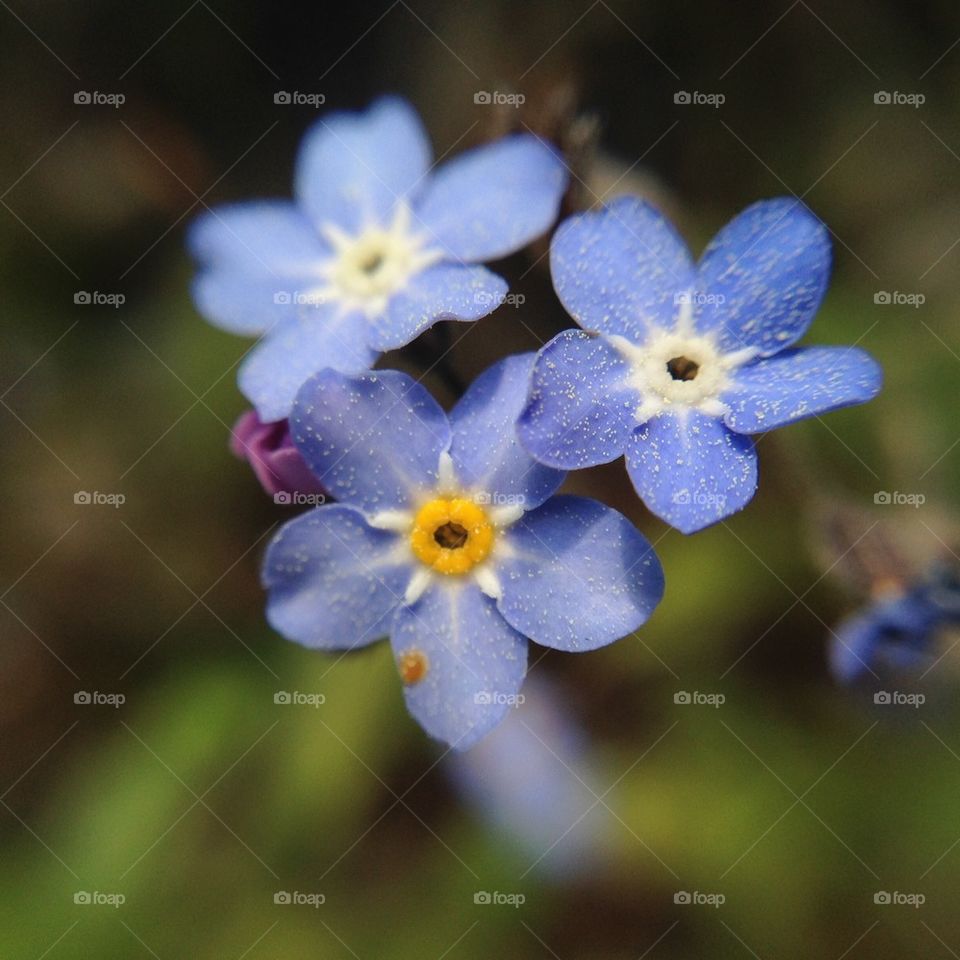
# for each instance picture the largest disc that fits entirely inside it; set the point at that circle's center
(413, 666)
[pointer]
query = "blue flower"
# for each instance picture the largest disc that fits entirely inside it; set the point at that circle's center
(447, 538)
(678, 363)
(377, 247)
(534, 782)
(896, 632)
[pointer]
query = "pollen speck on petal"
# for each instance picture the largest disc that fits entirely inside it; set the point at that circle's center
(413, 666)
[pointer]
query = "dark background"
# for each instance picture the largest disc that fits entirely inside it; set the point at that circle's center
(199, 798)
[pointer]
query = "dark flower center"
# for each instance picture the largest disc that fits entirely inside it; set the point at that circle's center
(682, 368)
(451, 536)
(372, 263)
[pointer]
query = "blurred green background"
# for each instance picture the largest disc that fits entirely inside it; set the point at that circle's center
(199, 798)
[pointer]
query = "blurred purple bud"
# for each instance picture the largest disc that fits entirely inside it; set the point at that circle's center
(276, 462)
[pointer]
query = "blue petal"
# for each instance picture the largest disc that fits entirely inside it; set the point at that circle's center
(446, 291)
(577, 575)
(475, 662)
(250, 304)
(258, 257)
(581, 408)
(334, 582)
(690, 470)
(621, 270)
(763, 276)
(799, 383)
(853, 646)
(276, 368)
(493, 200)
(374, 441)
(485, 449)
(269, 237)
(353, 168)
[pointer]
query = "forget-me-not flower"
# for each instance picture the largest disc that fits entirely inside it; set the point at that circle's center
(447, 538)
(896, 632)
(679, 363)
(376, 247)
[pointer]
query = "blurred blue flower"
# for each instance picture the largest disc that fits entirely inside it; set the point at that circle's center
(447, 537)
(897, 631)
(678, 363)
(533, 782)
(376, 248)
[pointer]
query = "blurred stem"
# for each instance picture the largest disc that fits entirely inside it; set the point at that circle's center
(433, 352)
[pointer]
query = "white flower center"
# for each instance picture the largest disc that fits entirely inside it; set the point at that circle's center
(369, 267)
(679, 370)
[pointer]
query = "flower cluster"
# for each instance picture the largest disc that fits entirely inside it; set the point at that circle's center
(447, 534)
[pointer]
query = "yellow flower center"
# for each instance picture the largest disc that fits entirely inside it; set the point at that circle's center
(451, 535)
